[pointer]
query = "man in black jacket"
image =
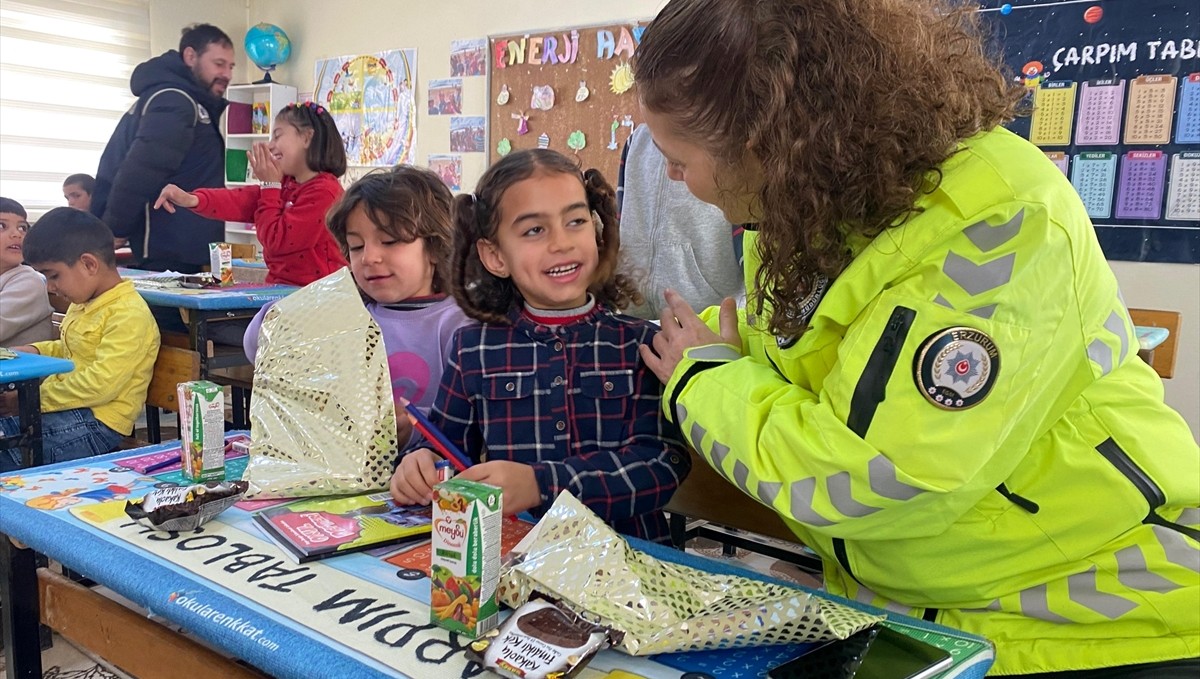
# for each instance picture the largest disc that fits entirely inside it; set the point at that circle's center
(170, 136)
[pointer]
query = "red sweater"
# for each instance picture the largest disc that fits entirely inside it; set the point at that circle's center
(290, 222)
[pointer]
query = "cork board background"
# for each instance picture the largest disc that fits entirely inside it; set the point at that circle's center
(582, 54)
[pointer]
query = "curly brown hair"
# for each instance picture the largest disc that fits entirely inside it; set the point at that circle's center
(489, 298)
(850, 107)
(406, 203)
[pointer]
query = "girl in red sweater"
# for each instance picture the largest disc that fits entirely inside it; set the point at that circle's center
(299, 171)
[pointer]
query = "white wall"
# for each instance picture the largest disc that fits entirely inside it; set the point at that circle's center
(319, 29)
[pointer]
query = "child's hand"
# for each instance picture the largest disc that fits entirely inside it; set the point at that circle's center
(412, 484)
(521, 492)
(263, 162)
(173, 195)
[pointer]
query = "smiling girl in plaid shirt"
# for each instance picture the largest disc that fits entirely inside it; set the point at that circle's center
(548, 393)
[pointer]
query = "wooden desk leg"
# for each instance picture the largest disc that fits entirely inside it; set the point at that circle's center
(29, 399)
(18, 589)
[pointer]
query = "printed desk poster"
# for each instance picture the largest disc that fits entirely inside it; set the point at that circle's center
(468, 57)
(467, 134)
(445, 97)
(1115, 91)
(371, 99)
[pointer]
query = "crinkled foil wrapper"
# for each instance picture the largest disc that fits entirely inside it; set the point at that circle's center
(573, 556)
(322, 420)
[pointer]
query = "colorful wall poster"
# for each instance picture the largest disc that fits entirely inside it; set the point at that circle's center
(468, 57)
(371, 99)
(449, 168)
(467, 134)
(1183, 198)
(1135, 68)
(445, 97)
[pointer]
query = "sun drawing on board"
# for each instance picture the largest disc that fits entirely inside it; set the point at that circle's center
(621, 79)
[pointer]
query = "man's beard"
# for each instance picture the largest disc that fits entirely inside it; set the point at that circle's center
(208, 84)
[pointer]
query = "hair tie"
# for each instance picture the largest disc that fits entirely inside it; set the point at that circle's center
(310, 105)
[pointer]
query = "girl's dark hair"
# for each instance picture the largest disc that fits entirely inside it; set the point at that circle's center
(326, 152)
(489, 298)
(849, 107)
(405, 202)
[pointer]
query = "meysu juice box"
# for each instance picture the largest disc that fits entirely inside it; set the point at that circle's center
(465, 560)
(201, 430)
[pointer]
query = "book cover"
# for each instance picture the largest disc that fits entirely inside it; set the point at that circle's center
(317, 528)
(237, 118)
(260, 117)
(237, 165)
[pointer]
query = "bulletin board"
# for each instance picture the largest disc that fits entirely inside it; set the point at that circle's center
(1115, 88)
(595, 57)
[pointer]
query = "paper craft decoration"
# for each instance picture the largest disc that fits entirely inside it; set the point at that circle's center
(1100, 112)
(576, 141)
(1151, 103)
(543, 141)
(503, 147)
(504, 95)
(1140, 195)
(612, 140)
(1187, 129)
(522, 119)
(542, 99)
(621, 80)
(1093, 177)
(582, 93)
(573, 556)
(322, 420)
(1183, 199)
(1053, 111)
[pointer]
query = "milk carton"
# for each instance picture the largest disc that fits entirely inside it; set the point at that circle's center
(465, 560)
(202, 430)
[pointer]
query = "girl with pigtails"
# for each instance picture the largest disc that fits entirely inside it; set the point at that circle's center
(548, 393)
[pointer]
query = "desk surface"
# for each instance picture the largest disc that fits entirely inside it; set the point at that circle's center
(237, 296)
(353, 616)
(31, 366)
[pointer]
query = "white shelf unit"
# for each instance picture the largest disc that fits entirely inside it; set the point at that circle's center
(243, 138)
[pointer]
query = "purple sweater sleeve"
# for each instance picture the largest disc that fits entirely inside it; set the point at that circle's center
(250, 339)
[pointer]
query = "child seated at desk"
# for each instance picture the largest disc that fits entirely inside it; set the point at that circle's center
(550, 386)
(394, 227)
(108, 332)
(25, 313)
(299, 172)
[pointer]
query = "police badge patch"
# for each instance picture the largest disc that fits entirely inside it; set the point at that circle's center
(955, 368)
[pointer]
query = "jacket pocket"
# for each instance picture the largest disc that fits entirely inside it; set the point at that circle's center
(1146, 487)
(506, 386)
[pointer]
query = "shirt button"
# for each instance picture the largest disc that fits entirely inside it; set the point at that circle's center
(558, 380)
(608, 386)
(560, 425)
(558, 346)
(510, 386)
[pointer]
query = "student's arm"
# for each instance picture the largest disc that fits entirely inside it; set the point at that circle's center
(227, 205)
(297, 228)
(25, 305)
(124, 342)
(250, 337)
(634, 479)
(164, 136)
(52, 348)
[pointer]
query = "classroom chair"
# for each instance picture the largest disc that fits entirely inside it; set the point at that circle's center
(174, 365)
(1161, 357)
(707, 505)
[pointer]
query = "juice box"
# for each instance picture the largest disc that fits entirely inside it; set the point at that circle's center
(465, 559)
(202, 430)
(220, 261)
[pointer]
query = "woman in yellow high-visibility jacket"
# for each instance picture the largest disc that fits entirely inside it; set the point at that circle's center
(935, 381)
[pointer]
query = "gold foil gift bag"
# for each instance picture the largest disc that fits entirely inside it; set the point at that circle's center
(322, 418)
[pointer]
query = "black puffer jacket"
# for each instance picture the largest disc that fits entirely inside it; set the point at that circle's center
(166, 138)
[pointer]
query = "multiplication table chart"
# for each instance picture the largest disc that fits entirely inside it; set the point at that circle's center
(1053, 111)
(1183, 198)
(1140, 192)
(1151, 103)
(1093, 177)
(1187, 130)
(1060, 159)
(1100, 112)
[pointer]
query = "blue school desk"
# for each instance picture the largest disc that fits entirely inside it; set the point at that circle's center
(352, 616)
(24, 374)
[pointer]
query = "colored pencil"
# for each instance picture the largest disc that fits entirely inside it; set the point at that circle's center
(437, 438)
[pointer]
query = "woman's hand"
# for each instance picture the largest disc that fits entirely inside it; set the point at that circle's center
(412, 483)
(263, 162)
(173, 195)
(521, 492)
(682, 329)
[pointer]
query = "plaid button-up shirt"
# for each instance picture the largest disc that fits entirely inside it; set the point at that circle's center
(574, 402)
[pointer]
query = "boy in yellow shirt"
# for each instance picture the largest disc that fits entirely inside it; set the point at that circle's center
(109, 333)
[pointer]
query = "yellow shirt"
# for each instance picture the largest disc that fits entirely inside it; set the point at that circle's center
(113, 341)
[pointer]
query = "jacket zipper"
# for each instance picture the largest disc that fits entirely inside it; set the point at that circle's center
(872, 389)
(1154, 496)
